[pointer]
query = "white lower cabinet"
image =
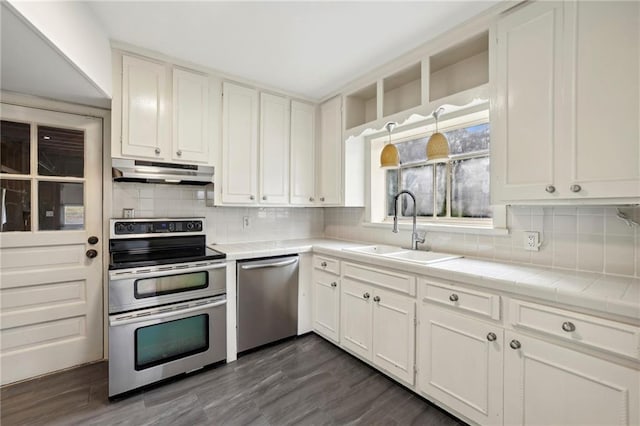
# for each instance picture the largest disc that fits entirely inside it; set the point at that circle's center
(547, 384)
(460, 363)
(379, 326)
(326, 304)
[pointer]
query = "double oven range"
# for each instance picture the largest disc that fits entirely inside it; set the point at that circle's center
(167, 301)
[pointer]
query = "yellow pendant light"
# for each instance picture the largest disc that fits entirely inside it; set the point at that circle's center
(389, 157)
(437, 146)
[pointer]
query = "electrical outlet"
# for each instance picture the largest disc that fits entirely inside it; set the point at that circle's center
(128, 213)
(532, 240)
(245, 222)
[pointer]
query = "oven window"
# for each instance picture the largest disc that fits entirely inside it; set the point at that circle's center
(160, 343)
(158, 286)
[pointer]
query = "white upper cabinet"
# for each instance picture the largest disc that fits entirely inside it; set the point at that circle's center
(239, 145)
(303, 158)
(566, 113)
(274, 149)
(145, 127)
(191, 118)
(330, 153)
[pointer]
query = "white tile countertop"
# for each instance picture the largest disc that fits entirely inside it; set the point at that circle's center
(614, 295)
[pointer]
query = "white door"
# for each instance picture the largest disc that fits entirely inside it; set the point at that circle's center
(146, 125)
(191, 119)
(239, 145)
(547, 384)
(394, 334)
(460, 363)
(356, 317)
(51, 205)
(330, 153)
(303, 175)
(326, 305)
(274, 149)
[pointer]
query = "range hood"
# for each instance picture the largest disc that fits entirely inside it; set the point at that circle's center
(127, 170)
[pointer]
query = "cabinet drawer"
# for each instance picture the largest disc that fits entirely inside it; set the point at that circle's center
(327, 264)
(610, 336)
(462, 299)
(383, 278)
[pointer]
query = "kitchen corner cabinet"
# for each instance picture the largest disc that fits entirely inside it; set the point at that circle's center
(566, 102)
(326, 297)
(303, 157)
(239, 144)
(549, 384)
(330, 153)
(164, 112)
(274, 149)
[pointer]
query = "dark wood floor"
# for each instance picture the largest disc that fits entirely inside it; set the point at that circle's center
(304, 381)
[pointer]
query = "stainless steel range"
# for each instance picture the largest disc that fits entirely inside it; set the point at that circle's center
(167, 301)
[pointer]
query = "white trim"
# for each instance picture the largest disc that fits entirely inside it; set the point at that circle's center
(441, 227)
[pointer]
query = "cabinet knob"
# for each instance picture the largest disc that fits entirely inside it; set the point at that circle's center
(321, 198)
(157, 150)
(251, 197)
(334, 284)
(323, 264)
(264, 198)
(550, 189)
(575, 188)
(492, 337)
(179, 153)
(453, 297)
(515, 344)
(366, 295)
(568, 326)
(376, 299)
(311, 199)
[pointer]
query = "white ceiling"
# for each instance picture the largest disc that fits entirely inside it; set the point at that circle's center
(310, 48)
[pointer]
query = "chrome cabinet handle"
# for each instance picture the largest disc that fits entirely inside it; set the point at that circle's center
(311, 199)
(157, 150)
(366, 295)
(453, 297)
(321, 198)
(568, 326)
(575, 188)
(515, 344)
(492, 337)
(251, 197)
(376, 299)
(179, 153)
(550, 189)
(323, 264)
(264, 198)
(334, 284)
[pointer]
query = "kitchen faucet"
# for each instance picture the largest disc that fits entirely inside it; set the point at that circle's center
(415, 236)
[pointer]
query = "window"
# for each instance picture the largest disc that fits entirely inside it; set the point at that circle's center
(448, 191)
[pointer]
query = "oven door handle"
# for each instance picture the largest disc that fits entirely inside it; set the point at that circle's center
(115, 276)
(270, 265)
(114, 322)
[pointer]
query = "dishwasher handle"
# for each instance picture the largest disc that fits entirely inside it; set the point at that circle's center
(270, 265)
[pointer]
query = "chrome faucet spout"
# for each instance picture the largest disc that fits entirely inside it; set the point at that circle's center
(415, 237)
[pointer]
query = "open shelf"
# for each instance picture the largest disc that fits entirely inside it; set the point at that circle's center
(361, 106)
(460, 67)
(402, 90)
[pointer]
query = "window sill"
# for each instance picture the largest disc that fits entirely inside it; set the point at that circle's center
(442, 227)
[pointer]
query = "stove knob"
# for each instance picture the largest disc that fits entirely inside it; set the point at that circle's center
(172, 227)
(120, 228)
(190, 226)
(130, 228)
(198, 226)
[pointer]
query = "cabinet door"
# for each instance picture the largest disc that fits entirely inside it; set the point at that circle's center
(239, 145)
(330, 153)
(460, 363)
(527, 106)
(603, 156)
(303, 175)
(190, 117)
(355, 317)
(394, 334)
(326, 305)
(274, 149)
(145, 125)
(546, 384)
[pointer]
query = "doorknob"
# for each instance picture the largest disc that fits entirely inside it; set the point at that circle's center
(91, 253)
(93, 240)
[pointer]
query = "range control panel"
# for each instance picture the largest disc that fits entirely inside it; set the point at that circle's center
(156, 226)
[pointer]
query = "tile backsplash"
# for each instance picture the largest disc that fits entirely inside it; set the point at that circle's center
(576, 238)
(224, 224)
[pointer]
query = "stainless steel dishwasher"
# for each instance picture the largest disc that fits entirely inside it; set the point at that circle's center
(267, 301)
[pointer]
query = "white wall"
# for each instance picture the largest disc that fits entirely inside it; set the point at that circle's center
(224, 224)
(574, 238)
